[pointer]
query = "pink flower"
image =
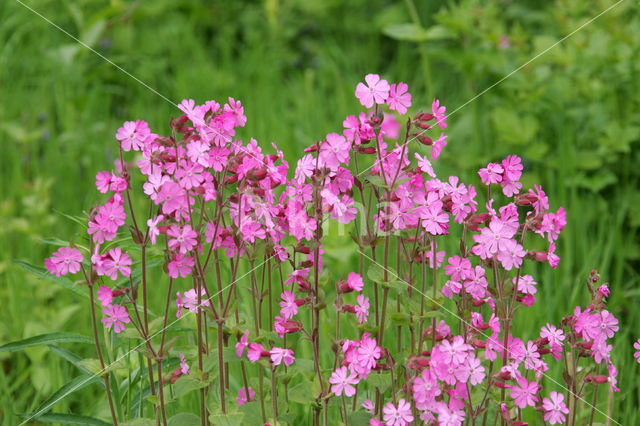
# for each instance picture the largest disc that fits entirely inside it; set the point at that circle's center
(362, 308)
(434, 219)
(256, 351)
(190, 301)
(278, 355)
(512, 255)
(334, 151)
(458, 269)
(368, 406)
(425, 165)
(116, 316)
(471, 371)
(117, 261)
(524, 392)
(152, 225)
(65, 261)
(180, 266)
(491, 174)
(342, 380)
(554, 335)
(375, 91)
(288, 306)
(399, 98)
(368, 353)
(103, 180)
(184, 367)
(555, 410)
(636, 345)
(438, 145)
(242, 343)
(133, 135)
(354, 281)
(242, 398)
(184, 238)
(438, 112)
(397, 416)
(105, 295)
(526, 284)
(496, 237)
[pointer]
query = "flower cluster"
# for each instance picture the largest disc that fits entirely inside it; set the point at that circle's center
(216, 205)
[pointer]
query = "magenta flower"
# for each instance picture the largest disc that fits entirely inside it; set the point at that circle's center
(117, 261)
(438, 112)
(334, 151)
(636, 346)
(555, 410)
(397, 416)
(279, 355)
(399, 98)
(105, 295)
(255, 351)
(242, 343)
(375, 91)
(524, 393)
(438, 146)
(184, 367)
(342, 380)
(65, 261)
(133, 135)
(354, 281)
(116, 316)
(242, 397)
(362, 308)
(368, 406)
(190, 301)
(288, 306)
(180, 266)
(152, 225)
(183, 238)
(368, 353)
(103, 181)
(425, 165)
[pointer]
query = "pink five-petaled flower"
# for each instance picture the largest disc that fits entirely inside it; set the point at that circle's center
(288, 306)
(64, 261)
(438, 112)
(491, 174)
(636, 345)
(354, 281)
(242, 398)
(255, 351)
(342, 380)
(116, 316)
(399, 98)
(184, 238)
(153, 230)
(133, 134)
(117, 261)
(555, 410)
(368, 406)
(278, 355)
(524, 393)
(180, 266)
(105, 295)
(362, 308)
(397, 416)
(375, 91)
(425, 165)
(190, 301)
(334, 150)
(184, 367)
(242, 343)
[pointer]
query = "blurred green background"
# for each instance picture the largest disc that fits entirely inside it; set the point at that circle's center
(572, 114)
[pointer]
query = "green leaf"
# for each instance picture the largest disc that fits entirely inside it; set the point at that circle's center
(359, 418)
(414, 32)
(184, 419)
(91, 364)
(68, 388)
(229, 419)
(139, 422)
(186, 384)
(71, 419)
(45, 339)
(375, 273)
(396, 285)
(44, 274)
(302, 393)
(380, 381)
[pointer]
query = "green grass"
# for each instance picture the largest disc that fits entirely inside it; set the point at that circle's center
(294, 64)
